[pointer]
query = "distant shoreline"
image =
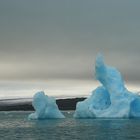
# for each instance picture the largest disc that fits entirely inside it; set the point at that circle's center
(26, 105)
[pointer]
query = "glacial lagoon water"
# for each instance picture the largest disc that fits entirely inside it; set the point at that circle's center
(15, 126)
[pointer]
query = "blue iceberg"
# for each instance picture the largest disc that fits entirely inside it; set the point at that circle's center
(111, 99)
(45, 107)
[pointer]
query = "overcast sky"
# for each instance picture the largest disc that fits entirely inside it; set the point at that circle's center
(41, 39)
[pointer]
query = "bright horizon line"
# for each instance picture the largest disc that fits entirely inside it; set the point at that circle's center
(57, 88)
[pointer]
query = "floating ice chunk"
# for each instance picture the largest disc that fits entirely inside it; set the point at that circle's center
(110, 100)
(45, 107)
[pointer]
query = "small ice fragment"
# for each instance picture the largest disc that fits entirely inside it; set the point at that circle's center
(45, 107)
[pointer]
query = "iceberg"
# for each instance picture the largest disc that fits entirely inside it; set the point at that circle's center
(45, 107)
(111, 99)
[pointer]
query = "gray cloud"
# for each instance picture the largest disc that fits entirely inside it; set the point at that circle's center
(60, 39)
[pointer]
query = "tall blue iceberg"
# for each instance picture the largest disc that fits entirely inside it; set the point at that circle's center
(111, 99)
(45, 107)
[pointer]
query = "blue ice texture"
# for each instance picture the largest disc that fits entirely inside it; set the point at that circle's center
(45, 107)
(111, 99)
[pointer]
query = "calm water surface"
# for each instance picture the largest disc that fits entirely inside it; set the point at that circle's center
(15, 126)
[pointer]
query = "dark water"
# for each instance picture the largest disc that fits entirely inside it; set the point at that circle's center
(15, 126)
